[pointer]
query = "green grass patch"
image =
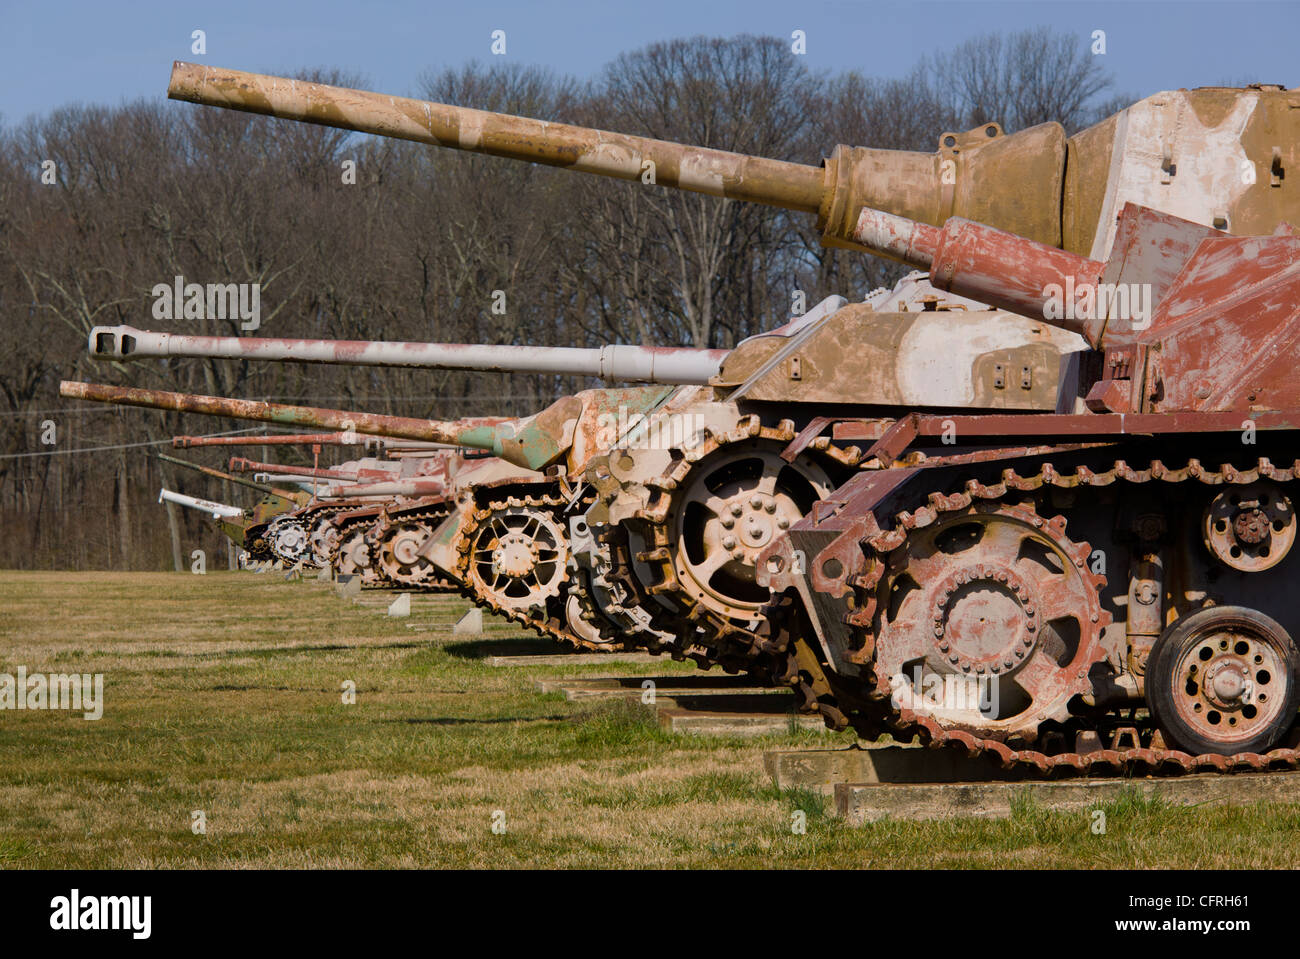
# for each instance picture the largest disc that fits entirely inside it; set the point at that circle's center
(225, 696)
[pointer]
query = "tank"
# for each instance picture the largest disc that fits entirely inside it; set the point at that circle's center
(642, 544)
(1035, 584)
(755, 444)
(323, 526)
(770, 438)
(1217, 156)
(251, 530)
(511, 482)
(1101, 590)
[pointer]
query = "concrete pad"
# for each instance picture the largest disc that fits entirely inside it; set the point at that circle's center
(859, 803)
(401, 606)
(570, 659)
(691, 722)
(348, 586)
(471, 624)
(664, 687)
(824, 768)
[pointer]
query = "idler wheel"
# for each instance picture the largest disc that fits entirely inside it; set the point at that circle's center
(1250, 528)
(1225, 680)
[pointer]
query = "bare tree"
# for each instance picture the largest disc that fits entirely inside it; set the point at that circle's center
(1029, 77)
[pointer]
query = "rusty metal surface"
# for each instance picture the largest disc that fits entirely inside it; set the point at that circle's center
(983, 263)
(451, 432)
(874, 709)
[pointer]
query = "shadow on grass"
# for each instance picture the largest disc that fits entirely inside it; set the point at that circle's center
(267, 651)
(482, 649)
(459, 721)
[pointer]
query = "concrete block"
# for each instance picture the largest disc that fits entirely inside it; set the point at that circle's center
(690, 722)
(663, 687)
(401, 607)
(823, 768)
(471, 624)
(569, 659)
(861, 803)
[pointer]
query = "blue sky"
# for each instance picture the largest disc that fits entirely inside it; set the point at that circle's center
(55, 54)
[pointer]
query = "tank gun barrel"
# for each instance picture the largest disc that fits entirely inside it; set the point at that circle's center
(269, 439)
(406, 487)
(216, 510)
(718, 172)
(1016, 182)
(240, 465)
(534, 443)
(219, 474)
(628, 364)
(451, 432)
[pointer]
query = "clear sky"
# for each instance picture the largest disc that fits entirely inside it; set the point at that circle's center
(53, 54)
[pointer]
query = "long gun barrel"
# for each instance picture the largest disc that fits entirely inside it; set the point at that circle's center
(402, 427)
(534, 443)
(627, 364)
(240, 465)
(269, 439)
(218, 474)
(216, 510)
(406, 487)
(1015, 182)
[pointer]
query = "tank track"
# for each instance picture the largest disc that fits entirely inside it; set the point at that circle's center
(346, 526)
(876, 714)
(622, 578)
(429, 581)
(549, 620)
(715, 638)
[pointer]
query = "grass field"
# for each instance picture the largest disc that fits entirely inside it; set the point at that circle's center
(223, 694)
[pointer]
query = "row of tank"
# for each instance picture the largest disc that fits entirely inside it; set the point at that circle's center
(871, 502)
